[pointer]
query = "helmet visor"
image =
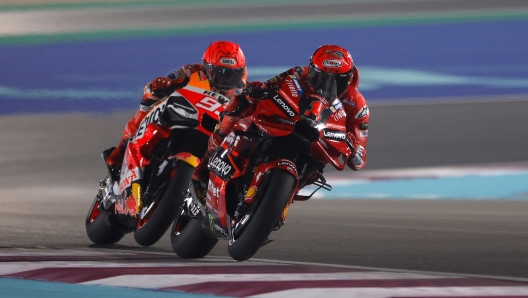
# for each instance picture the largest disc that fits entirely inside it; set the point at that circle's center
(224, 78)
(343, 81)
(323, 83)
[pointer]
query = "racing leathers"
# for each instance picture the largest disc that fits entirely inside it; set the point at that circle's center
(153, 92)
(242, 106)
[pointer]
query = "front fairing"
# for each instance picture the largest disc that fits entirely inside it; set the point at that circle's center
(193, 106)
(334, 152)
(280, 115)
(331, 145)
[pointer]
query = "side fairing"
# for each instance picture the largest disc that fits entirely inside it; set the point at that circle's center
(277, 114)
(189, 107)
(331, 146)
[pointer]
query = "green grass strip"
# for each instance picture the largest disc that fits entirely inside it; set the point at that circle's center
(377, 21)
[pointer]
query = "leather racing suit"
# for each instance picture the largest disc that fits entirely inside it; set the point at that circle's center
(354, 104)
(152, 93)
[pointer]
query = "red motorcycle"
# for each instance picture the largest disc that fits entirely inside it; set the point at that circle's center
(259, 169)
(157, 168)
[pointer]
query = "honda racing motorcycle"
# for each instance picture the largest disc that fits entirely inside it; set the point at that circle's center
(258, 171)
(157, 167)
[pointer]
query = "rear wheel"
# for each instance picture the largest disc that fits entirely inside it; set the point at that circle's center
(98, 227)
(265, 218)
(188, 239)
(158, 219)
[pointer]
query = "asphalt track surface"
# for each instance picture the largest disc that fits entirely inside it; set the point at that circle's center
(50, 167)
(51, 174)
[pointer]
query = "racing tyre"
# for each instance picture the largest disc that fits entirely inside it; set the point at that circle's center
(188, 239)
(98, 227)
(156, 222)
(265, 218)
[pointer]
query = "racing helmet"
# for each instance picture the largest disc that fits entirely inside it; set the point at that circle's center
(330, 71)
(224, 65)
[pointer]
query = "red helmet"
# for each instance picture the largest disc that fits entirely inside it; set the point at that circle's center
(225, 66)
(330, 67)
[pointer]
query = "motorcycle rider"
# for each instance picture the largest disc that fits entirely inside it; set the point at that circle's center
(223, 64)
(328, 62)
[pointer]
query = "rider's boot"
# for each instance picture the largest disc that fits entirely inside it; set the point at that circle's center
(115, 155)
(113, 158)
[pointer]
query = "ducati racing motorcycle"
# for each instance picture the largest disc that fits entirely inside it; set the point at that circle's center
(258, 171)
(158, 164)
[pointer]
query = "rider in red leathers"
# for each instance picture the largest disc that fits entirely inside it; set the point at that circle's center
(328, 62)
(223, 64)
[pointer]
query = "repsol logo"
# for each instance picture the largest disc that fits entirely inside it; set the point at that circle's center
(221, 99)
(334, 135)
(220, 166)
(332, 63)
(284, 106)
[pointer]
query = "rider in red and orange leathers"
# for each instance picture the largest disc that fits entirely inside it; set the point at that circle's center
(328, 62)
(223, 64)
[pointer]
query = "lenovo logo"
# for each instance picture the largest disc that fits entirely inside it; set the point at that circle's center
(284, 106)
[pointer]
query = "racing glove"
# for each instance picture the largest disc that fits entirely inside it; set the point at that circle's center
(256, 90)
(356, 160)
(161, 87)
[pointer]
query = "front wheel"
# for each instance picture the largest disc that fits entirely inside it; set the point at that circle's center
(157, 220)
(98, 226)
(265, 217)
(189, 240)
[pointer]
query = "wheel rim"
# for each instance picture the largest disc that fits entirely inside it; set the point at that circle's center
(181, 223)
(143, 221)
(95, 212)
(251, 210)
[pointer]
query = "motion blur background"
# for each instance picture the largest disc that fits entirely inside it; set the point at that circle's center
(91, 56)
(446, 82)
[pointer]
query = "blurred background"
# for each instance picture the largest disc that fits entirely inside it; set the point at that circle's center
(446, 82)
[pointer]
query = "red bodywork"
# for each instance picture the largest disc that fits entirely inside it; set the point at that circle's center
(139, 150)
(275, 117)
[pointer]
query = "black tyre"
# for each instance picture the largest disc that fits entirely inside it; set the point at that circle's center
(98, 227)
(265, 218)
(155, 223)
(188, 239)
